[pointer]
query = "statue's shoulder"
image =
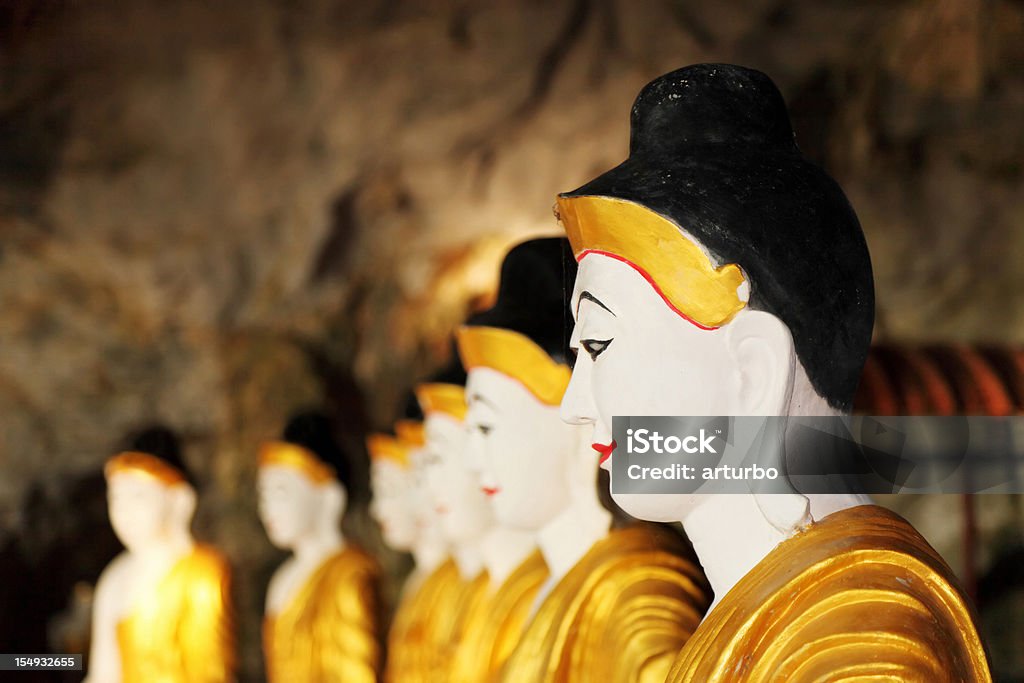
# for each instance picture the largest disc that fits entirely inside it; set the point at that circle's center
(351, 570)
(209, 562)
(113, 575)
(632, 548)
(860, 588)
(358, 559)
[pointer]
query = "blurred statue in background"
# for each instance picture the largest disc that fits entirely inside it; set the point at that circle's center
(514, 569)
(430, 623)
(404, 529)
(463, 511)
(618, 604)
(322, 610)
(162, 607)
(720, 273)
(393, 508)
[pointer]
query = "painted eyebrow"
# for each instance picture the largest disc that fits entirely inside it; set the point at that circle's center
(478, 397)
(590, 297)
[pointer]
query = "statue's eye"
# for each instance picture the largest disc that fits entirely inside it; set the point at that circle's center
(595, 347)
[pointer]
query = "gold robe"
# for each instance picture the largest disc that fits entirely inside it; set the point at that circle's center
(493, 629)
(471, 599)
(859, 595)
(619, 616)
(182, 631)
(328, 631)
(420, 627)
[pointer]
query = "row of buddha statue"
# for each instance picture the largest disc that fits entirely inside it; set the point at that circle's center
(714, 272)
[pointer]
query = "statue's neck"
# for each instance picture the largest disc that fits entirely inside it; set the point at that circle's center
(428, 553)
(566, 539)
(731, 536)
(732, 533)
(468, 560)
(166, 549)
(503, 550)
(316, 547)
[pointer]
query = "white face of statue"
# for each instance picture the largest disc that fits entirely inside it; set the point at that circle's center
(290, 505)
(520, 449)
(428, 522)
(636, 356)
(460, 503)
(391, 506)
(144, 511)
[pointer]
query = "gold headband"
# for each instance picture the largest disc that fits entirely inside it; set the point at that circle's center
(296, 457)
(447, 399)
(655, 247)
(385, 447)
(517, 356)
(144, 463)
(411, 433)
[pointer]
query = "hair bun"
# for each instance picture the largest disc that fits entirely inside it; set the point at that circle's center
(708, 104)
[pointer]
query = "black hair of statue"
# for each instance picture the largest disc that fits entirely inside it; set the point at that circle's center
(713, 150)
(314, 431)
(452, 372)
(534, 295)
(163, 443)
(411, 409)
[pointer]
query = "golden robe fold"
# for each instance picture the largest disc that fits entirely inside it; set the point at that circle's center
(328, 632)
(183, 631)
(422, 627)
(493, 629)
(619, 616)
(859, 595)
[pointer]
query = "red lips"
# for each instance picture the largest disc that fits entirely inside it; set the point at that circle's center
(490, 491)
(605, 450)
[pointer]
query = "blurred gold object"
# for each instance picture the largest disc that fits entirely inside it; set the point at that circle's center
(143, 463)
(294, 456)
(329, 629)
(429, 624)
(859, 595)
(493, 629)
(444, 398)
(182, 632)
(621, 614)
(411, 432)
(412, 643)
(386, 447)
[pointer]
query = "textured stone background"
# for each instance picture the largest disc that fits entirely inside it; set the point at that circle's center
(214, 213)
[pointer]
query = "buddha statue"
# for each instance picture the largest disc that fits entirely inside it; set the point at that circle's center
(430, 612)
(721, 273)
(322, 610)
(403, 530)
(162, 608)
(393, 508)
(617, 604)
(514, 569)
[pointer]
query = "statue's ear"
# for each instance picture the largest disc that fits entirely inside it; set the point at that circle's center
(335, 498)
(183, 503)
(761, 346)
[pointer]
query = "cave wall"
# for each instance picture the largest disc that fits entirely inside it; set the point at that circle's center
(214, 213)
